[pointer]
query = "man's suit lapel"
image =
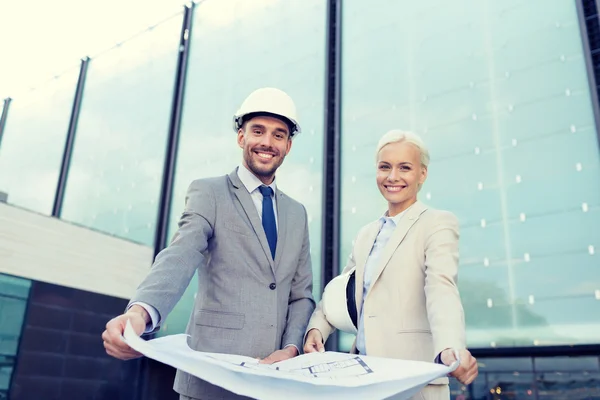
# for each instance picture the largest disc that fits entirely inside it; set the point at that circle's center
(282, 224)
(246, 201)
(406, 222)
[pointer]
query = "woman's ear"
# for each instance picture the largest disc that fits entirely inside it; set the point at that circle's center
(423, 176)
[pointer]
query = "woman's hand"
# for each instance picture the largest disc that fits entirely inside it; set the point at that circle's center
(314, 342)
(467, 371)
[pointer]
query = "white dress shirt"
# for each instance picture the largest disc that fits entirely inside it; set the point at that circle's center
(251, 183)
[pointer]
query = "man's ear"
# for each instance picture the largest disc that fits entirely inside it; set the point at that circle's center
(240, 138)
(289, 146)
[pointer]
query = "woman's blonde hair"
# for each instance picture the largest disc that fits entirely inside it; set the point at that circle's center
(397, 135)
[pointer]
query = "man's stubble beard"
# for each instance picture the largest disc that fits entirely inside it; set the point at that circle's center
(256, 170)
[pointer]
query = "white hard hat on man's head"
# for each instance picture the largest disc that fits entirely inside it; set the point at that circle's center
(268, 101)
(339, 303)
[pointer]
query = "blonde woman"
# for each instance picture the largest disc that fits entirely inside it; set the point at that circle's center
(406, 266)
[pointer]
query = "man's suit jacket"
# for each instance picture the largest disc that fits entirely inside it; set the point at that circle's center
(247, 303)
(412, 310)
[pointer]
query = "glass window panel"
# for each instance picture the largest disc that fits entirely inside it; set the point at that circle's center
(553, 364)
(345, 341)
(490, 326)
(33, 142)
(540, 237)
(547, 322)
(14, 293)
(499, 92)
(218, 81)
(572, 275)
(550, 378)
(529, 121)
(14, 287)
(560, 193)
(115, 174)
(479, 389)
(471, 200)
(568, 386)
(554, 173)
(11, 316)
(482, 283)
(459, 391)
(517, 385)
(517, 364)
(483, 243)
(565, 320)
(5, 374)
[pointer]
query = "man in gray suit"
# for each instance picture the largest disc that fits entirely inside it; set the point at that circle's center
(248, 243)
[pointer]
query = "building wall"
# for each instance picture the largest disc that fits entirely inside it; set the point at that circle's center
(61, 355)
(51, 323)
(498, 89)
(47, 249)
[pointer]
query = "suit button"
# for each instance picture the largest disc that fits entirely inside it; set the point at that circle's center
(272, 286)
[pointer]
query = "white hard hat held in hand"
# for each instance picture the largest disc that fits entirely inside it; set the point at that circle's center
(339, 305)
(268, 101)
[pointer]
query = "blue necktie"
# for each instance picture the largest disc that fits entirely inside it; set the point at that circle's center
(268, 218)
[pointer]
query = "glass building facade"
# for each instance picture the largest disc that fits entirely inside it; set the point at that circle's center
(500, 93)
(231, 54)
(115, 172)
(503, 92)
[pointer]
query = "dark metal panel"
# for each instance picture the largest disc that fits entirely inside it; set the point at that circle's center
(4, 117)
(166, 192)
(157, 378)
(330, 236)
(589, 60)
(69, 142)
(538, 351)
(595, 3)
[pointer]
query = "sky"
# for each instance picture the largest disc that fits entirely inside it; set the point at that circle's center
(40, 39)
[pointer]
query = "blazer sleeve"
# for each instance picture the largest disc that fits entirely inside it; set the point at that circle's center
(301, 303)
(444, 307)
(174, 266)
(318, 319)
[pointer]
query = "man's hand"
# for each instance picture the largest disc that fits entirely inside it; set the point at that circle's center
(467, 371)
(113, 343)
(280, 355)
(314, 342)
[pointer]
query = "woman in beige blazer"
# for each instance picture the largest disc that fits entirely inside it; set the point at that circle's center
(406, 267)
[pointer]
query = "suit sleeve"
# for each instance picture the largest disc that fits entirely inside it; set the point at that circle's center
(174, 266)
(301, 303)
(318, 319)
(444, 307)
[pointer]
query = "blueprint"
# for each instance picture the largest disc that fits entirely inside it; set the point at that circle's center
(314, 376)
(347, 366)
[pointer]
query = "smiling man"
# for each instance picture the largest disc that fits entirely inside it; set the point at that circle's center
(248, 243)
